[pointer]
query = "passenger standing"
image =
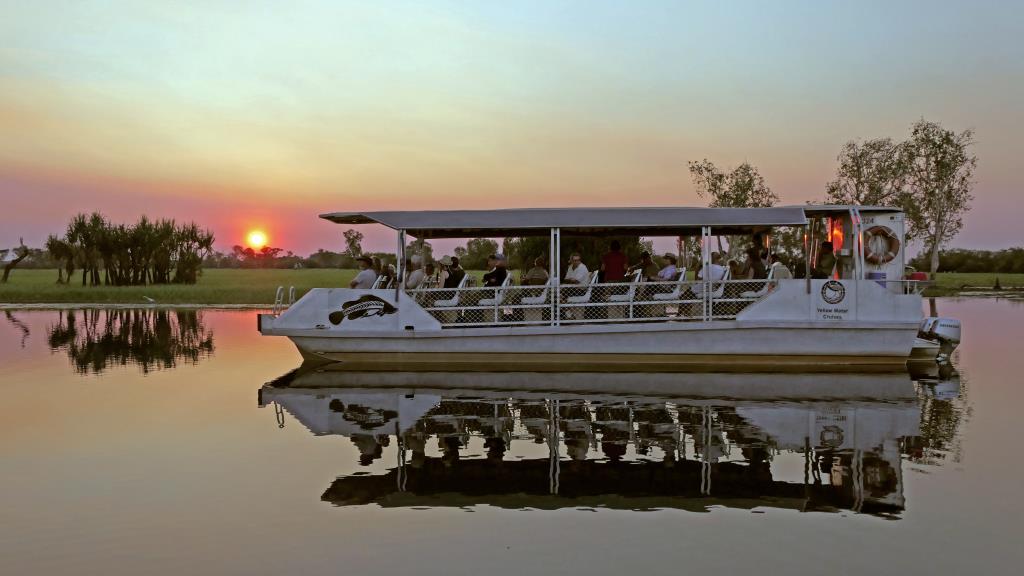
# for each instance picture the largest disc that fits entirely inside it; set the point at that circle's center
(613, 264)
(755, 265)
(826, 262)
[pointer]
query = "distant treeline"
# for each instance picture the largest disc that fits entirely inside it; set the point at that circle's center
(160, 252)
(147, 252)
(1008, 261)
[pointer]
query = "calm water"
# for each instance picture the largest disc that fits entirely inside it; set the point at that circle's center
(184, 443)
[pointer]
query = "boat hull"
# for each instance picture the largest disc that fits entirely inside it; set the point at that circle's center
(722, 346)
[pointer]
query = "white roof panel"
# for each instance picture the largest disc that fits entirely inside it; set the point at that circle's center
(536, 221)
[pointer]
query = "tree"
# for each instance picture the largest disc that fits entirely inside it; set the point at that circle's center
(21, 252)
(421, 248)
(138, 254)
(940, 173)
(477, 251)
(353, 242)
(62, 252)
(744, 187)
(870, 173)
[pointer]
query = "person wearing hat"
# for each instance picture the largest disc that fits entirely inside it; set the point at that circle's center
(366, 276)
(648, 269)
(453, 272)
(668, 273)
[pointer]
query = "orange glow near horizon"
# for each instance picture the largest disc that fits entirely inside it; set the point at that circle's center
(256, 239)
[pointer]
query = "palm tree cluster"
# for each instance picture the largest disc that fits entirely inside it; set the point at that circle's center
(147, 252)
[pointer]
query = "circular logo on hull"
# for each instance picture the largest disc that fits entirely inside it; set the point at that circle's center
(833, 292)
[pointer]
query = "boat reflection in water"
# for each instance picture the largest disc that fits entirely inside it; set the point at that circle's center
(152, 339)
(824, 442)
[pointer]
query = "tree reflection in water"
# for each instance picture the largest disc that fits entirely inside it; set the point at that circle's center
(95, 340)
(468, 446)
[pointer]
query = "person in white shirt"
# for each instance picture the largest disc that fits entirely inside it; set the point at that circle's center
(668, 273)
(577, 272)
(414, 278)
(366, 276)
(716, 272)
(779, 270)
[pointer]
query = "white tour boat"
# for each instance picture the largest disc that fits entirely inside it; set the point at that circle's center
(864, 314)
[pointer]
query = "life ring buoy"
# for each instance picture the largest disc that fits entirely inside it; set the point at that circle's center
(880, 245)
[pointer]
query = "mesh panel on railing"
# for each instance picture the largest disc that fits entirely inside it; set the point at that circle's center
(597, 303)
(731, 297)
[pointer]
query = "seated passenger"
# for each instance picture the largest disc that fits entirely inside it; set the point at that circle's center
(429, 276)
(538, 275)
(647, 268)
(755, 265)
(613, 264)
(366, 276)
(668, 273)
(827, 262)
(496, 277)
(778, 269)
(577, 272)
(415, 276)
(454, 273)
(716, 271)
(736, 269)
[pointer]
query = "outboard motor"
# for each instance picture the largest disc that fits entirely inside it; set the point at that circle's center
(945, 331)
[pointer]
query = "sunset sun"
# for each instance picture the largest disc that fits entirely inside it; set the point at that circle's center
(257, 239)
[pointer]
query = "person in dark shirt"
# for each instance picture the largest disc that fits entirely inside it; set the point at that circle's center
(498, 272)
(455, 272)
(755, 265)
(648, 269)
(826, 262)
(613, 264)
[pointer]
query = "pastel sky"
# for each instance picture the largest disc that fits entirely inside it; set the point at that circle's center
(264, 114)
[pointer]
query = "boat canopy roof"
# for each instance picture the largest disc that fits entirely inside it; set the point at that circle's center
(671, 221)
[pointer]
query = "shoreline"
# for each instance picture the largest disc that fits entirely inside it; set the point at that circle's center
(1010, 294)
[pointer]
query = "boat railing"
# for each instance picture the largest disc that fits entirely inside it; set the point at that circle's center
(592, 304)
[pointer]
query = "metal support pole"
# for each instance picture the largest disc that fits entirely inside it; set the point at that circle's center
(808, 243)
(556, 257)
(705, 256)
(400, 265)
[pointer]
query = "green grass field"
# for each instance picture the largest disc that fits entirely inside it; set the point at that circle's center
(216, 286)
(951, 283)
(222, 286)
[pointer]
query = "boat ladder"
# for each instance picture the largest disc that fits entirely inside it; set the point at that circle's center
(279, 300)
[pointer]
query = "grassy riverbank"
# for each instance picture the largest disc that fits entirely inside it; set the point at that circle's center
(231, 286)
(215, 286)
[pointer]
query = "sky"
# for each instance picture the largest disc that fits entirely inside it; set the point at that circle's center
(242, 115)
